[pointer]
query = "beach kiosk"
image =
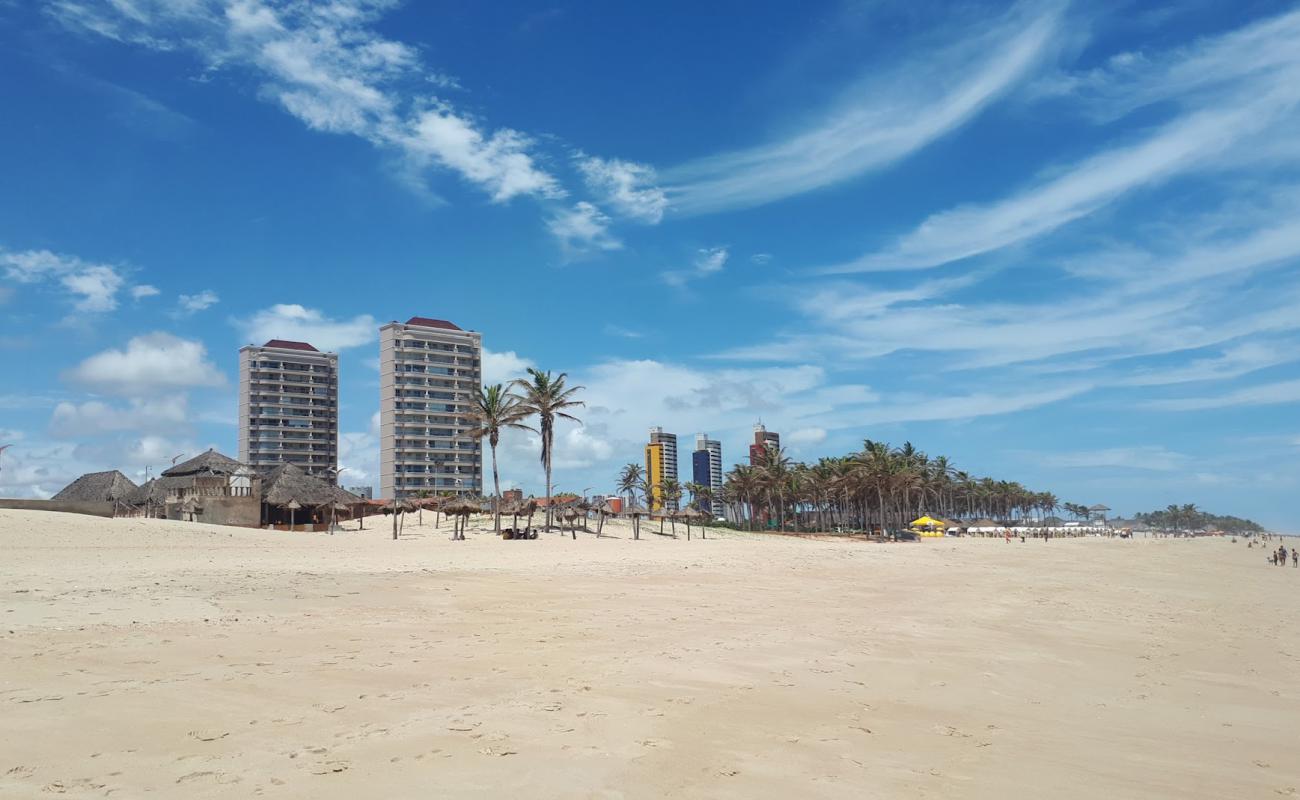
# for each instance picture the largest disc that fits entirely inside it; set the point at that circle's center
(928, 527)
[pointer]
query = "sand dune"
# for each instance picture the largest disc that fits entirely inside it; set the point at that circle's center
(143, 656)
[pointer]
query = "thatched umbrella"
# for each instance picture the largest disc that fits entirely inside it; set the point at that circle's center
(605, 509)
(515, 509)
(701, 517)
(460, 508)
(636, 512)
(572, 512)
(687, 515)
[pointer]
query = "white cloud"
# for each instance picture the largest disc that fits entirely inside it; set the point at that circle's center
(1260, 395)
(297, 323)
(93, 287)
(96, 288)
(708, 261)
(503, 367)
(193, 303)
(627, 186)
(325, 64)
(143, 290)
(359, 455)
(611, 329)
(151, 363)
(498, 162)
(883, 119)
(31, 266)
(1155, 458)
(1233, 362)
(806, 436)
(582, 229)
(163, 414)
(1250, 109)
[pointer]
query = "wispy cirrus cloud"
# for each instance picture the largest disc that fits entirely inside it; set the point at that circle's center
(630, 188)
(880, 120)
(1153, 458)
(708, 261)
(582, 229)
(1223, 117)
(1265, 394)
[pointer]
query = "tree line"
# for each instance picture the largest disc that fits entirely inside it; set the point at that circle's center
(879, 486)
(1190, 518)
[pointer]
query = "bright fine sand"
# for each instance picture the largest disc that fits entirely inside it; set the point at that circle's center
(152, 658)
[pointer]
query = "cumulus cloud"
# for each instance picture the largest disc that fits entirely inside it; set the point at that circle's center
(92, 287)
(148, 364)
(298, 323)
(503, 367)
(94, 417)
(626, 186)
(144, 290)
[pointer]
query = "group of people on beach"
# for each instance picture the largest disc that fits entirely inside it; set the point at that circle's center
(1278, 556)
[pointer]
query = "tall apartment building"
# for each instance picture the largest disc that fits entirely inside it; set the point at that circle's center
(660, 464)
(763, 438)
(429, 373)
(289, 407)
(706, 469)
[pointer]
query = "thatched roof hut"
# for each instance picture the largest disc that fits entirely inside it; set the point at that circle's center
(289, 483)
(209, 463)
(99, 487)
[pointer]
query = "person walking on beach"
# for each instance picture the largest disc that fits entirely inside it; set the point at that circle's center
(1295, 557)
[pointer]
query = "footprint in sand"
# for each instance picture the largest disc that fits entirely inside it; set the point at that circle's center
(208, 736)
(19, 772)
(217, 777)
(329, 767)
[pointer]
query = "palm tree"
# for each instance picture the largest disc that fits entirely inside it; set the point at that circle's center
(696, 491)
(495, 409)
(672, 494)
(546, 396)
(629, 480)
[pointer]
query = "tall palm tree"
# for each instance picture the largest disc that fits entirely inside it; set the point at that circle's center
(545, 395)
(495, 409)
(629, 480)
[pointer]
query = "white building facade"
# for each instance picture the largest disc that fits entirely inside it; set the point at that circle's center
(430, 372)
(288, 407)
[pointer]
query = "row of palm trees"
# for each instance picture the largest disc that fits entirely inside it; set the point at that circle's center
(878, 486)
(499, 407)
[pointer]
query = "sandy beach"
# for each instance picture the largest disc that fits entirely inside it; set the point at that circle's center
(181, 660)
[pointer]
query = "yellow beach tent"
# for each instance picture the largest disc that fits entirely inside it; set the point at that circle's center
(929, 526)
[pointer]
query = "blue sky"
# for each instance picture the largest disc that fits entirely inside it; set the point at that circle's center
(1055, 242)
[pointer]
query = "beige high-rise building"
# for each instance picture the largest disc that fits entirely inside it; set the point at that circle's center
(289, 407)
(429, 374)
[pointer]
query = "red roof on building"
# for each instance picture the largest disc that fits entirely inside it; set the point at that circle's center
(285, 344)
(432, 323)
